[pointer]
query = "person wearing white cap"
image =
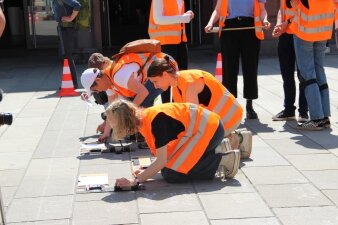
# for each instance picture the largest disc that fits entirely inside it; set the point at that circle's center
(125, 78)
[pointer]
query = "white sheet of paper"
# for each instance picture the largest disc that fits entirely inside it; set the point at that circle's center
(92, 179)
(93, 146)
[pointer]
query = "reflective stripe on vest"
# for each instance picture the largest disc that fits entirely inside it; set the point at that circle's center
(257, 21)
(186, 150)
(192, 142)
(222, 102)
(140, 59)
(171, 33)
(315, 23)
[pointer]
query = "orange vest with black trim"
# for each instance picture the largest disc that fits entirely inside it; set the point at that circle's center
(314, 23)
(286, 13)
(222, 102)
(140, 59)
(257, 18)
(171, 33)
(200, 126)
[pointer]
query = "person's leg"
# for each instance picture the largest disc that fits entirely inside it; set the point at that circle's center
(230, 60)
(182, 56)
(68, 36)
(249, 47)
(153, 93)
(319, 48)
(205, 168)
(306, 62)
(286, 54)
(171, 50)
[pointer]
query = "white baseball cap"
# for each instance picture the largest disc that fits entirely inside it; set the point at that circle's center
(88, 78)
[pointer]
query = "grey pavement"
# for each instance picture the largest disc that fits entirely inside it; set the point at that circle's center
(291, 177)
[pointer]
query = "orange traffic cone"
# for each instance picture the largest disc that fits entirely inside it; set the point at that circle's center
(218, 72)
(67, 86)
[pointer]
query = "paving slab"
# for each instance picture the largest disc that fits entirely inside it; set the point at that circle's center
(292, 195)
(314, 161)
(324, 179)
(274, 175)
(11, 177)
(308, 215)
(253, 221)
(168, 201)
(14, 160)
(264, 156)
(45, 222)
(44, 208)
(332, 195)
(237, 205)
(186, 218)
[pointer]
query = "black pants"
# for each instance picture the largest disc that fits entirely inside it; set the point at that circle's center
(67, 38)
(205, 168)
(287, 62)
(245, 45)
(180, 53)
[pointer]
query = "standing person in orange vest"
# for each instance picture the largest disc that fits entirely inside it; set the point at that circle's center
(184, 137)
(312, 27)
(287, 62)
(202, 88)
(167, 24)
(244, 44)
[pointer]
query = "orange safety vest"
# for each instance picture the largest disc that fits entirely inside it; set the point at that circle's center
(315, 23)
(140, 59)
(167, 34)
(286, 13)
(257, 18)
(200, 126)
(222, 102)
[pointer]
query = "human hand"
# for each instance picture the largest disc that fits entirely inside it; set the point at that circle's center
(66, 19)
(294, 4)
(208, 28)
(100, 128)
(124, 182)
(103, 137)
(279, 29)
(84, 96)
(191, 14)
(138, 171)
(266, 25)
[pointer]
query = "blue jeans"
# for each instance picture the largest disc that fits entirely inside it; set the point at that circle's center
(310, 59)
(153, 93)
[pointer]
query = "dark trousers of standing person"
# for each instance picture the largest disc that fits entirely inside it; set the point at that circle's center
(242, 44)
(287, 61)
(180, 53)
(205, 168)
(67, 38)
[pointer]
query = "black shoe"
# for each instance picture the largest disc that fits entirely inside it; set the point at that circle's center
(284, 116)
(312, 125)
(303, 117)
(251, 114)
(326, 122)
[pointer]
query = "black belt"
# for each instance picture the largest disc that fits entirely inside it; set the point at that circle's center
(241, 18)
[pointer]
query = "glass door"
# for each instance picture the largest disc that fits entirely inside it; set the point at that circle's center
(42, 26)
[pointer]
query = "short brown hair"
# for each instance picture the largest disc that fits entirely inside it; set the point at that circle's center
(97, 60)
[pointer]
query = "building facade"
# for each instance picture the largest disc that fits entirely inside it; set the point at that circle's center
(114, 23)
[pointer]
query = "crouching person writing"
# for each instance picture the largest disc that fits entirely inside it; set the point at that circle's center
(184, 137)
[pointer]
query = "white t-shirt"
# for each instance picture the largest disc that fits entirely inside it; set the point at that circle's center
(123, 75)
(165, 20)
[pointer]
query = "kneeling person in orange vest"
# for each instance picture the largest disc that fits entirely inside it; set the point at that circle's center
(184, 137)
(127, 78)
(200, 87)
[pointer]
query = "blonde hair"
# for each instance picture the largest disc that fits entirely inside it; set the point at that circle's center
(126, 117)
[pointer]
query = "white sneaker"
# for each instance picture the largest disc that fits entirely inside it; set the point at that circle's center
(229, 163)
(245, 146)
(224, 146)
